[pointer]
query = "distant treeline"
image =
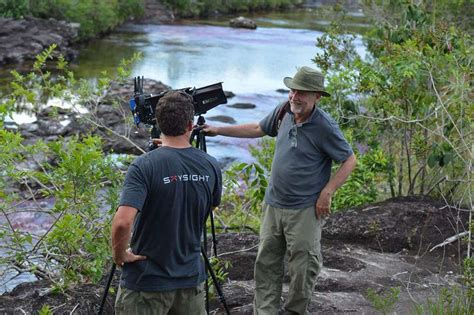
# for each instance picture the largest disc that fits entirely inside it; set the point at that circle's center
(95, 17)
(187, 8)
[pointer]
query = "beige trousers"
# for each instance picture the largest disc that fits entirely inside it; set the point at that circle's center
(297, 232)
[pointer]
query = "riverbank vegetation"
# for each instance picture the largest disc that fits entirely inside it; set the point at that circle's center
(94, 17)
(406, 109)
(190, 8)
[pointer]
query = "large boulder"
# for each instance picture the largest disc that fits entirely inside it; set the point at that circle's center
(242, 22)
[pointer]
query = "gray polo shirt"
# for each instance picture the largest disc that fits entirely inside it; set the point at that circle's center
(303, 156)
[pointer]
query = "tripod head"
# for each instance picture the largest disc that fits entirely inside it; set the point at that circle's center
(198, 136)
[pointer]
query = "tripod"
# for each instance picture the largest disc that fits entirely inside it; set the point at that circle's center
(199, 138)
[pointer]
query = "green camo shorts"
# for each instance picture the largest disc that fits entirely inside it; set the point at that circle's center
(178, 302)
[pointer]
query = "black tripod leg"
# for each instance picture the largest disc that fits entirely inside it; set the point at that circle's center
(216, 283)
(213, 230)
(202, 141)
(106, 291)
(198, 139)
(206, 285)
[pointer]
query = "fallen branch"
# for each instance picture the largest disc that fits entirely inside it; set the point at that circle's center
(74, 309)
(238, 251)
(450, 240)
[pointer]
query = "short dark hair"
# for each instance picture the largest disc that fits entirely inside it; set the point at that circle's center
(173, 113)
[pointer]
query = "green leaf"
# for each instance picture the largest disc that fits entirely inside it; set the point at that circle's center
(433, 160)
(447, 158)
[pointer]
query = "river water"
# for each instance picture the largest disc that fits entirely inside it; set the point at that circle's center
(250, 63)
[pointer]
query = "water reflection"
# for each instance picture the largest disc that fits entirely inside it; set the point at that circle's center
(246, 61)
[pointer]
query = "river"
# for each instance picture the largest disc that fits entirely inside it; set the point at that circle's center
(250, 63)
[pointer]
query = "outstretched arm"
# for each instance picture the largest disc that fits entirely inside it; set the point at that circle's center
(323, 205)
(251, 130)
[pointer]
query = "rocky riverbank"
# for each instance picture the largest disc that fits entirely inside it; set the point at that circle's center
(379, 246)
(22, 40)
(105, 119)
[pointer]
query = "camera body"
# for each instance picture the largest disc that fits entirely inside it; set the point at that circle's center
(143, 105)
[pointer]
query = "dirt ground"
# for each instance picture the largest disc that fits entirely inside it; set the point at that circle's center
(379, 246)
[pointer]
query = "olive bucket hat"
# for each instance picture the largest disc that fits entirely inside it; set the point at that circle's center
(307, 79)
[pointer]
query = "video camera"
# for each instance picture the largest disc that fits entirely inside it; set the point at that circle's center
(143, 105)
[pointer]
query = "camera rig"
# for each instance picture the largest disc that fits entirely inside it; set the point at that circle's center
(143, 109)
(143, 105)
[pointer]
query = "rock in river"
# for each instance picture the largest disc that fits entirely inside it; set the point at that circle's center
(242, 105)
(222, 118)
(242, 22)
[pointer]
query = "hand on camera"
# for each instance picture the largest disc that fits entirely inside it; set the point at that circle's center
(209, 130)
(157, 142)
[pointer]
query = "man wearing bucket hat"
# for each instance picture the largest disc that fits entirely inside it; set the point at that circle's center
(298, 196)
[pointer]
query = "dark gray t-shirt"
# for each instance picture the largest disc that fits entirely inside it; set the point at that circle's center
(173, 190)
(303, 156)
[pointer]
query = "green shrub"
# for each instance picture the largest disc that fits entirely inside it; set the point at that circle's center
(220, 267)
(412, 98)
(364, 184)
(450, 301)
(80, 180)
(244, 191)
(384, 303)
(14, 8)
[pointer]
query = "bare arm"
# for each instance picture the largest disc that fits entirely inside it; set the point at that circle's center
(251, 130)
(121, 231)
(323, 205)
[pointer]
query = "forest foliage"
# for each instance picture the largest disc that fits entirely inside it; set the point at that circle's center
(412, 97)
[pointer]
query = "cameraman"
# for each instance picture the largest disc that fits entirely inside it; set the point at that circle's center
(166, 196)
